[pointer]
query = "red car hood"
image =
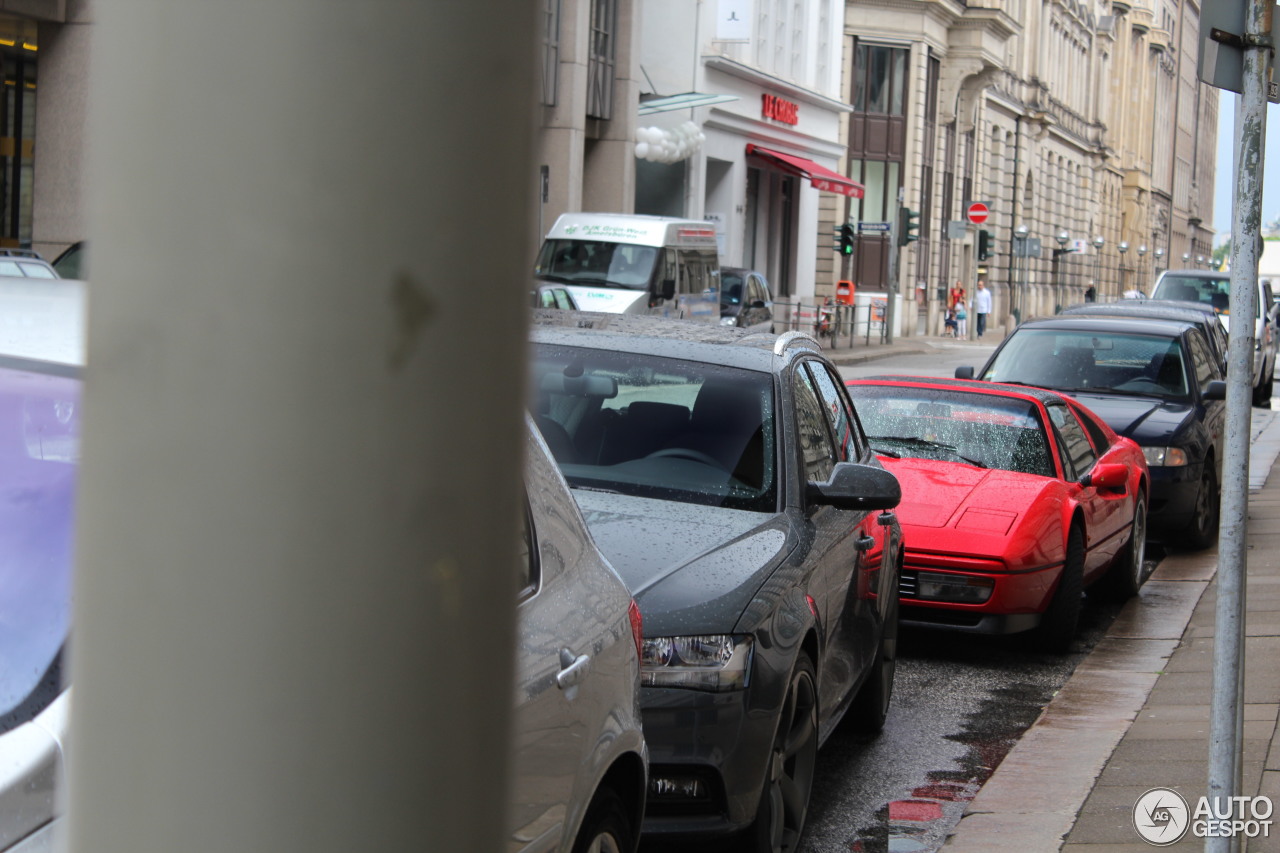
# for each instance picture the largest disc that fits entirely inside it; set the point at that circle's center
(950, 494)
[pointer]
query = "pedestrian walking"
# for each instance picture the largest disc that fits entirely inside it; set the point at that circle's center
(982, 306)
(1091, 295)
(962, 321)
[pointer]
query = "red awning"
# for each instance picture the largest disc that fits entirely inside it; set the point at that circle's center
(820, 176)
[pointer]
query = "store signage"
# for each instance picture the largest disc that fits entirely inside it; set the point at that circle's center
(780, 109)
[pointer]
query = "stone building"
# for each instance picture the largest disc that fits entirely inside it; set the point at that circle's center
(1081, 126)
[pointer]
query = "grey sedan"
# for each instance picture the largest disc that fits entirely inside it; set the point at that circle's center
(727, 478)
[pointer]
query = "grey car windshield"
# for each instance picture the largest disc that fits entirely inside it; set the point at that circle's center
(1072, 360)
(658, 427)
(594, 262)
(979, 429)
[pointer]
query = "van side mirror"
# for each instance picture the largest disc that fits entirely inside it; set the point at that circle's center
(965, 372)
(668, 288)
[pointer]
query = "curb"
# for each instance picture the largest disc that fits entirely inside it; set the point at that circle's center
(1032, 800)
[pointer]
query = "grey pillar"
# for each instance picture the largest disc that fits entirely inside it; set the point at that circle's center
(301, 455)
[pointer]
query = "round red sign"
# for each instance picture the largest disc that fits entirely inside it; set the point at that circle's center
(977, 213)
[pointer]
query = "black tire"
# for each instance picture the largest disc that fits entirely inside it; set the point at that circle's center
(605, 829)
(1057, 628)
(1262, 393)
(870, 707)
(784, 802)
(1127, 574)
(1203, 530)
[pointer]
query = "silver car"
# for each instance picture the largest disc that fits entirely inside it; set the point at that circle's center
(41, 357)
(580, 764)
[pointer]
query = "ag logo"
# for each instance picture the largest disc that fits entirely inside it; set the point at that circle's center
(1161, 817)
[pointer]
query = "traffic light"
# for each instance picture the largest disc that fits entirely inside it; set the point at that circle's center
(984, 245)
(908, 226)
(847, 236)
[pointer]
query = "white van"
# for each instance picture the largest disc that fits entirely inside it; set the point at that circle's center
(631, 264)
(1213, 288)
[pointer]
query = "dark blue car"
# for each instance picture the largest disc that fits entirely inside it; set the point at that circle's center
(1155, 381)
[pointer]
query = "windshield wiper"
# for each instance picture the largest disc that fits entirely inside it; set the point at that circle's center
(914, 441)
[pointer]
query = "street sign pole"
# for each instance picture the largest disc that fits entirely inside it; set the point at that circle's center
(1226, 723)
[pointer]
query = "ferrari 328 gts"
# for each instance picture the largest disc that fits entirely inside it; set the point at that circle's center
(1014, 500)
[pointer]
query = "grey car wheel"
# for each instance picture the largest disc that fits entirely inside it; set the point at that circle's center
(605, 829)
(784, 803)
(871, 705)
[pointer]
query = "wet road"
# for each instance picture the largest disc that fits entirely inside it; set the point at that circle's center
(959, 705)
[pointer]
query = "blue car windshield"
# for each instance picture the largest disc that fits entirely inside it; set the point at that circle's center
(1093, 361)
(39, 453)
(658, 427)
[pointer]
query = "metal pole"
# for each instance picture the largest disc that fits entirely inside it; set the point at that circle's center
(1226, 706)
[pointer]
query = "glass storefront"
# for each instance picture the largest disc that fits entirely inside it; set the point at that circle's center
(18, 50)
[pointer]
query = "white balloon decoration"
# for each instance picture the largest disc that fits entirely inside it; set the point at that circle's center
(668, 146)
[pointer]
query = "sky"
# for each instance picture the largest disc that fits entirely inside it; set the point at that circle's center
(1224, 178)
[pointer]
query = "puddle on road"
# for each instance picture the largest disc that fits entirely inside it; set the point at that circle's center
(920, 822)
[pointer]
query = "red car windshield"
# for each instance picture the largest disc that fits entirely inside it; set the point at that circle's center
(984, 430)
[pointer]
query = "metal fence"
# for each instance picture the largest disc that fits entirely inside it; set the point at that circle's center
(835, 325)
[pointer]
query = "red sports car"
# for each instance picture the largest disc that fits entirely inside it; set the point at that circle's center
(1014, 499)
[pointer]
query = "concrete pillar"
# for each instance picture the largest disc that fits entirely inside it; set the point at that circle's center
(302, 447)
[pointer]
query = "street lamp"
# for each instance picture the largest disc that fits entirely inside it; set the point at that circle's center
(1142, 268)
(1199, 260)
(1122, 247)
(1020, 251)
(1159, 255)
(1186, 258)
(1063, 238)
(1097, 268)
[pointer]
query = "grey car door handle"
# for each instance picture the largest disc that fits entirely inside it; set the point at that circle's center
(885, 519)
(572, 669)
(864, 543)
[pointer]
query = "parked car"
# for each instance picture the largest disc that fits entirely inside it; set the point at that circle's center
(25, 263)
(1154, 381)
(726, 477)
(745, 300)
(41, 363)
(1014, 499)
(1213, 288)
(579, 767)
(1205, 318)
(70, 261)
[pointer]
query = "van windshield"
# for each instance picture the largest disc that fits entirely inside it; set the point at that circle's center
(1210, 291)
(590, 262)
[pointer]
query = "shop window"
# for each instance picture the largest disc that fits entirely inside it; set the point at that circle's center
(600, 61)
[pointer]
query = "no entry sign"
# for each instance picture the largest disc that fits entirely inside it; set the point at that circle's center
(978, 212)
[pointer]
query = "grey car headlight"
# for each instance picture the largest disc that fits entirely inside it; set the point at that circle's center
(1170, 457)
(714, 662)
(728, 321)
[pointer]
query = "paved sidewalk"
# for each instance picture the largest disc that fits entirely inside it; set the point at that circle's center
(913, 345)
(1135, 714)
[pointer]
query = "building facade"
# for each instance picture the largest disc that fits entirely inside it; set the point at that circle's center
(44, 64)
(1081, 127)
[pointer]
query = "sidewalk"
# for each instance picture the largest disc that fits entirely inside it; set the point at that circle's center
(1135, 714)
(913, 345)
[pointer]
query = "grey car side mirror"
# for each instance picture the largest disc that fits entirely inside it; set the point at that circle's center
(965, 372)
(856, 486)
(1215, 390)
